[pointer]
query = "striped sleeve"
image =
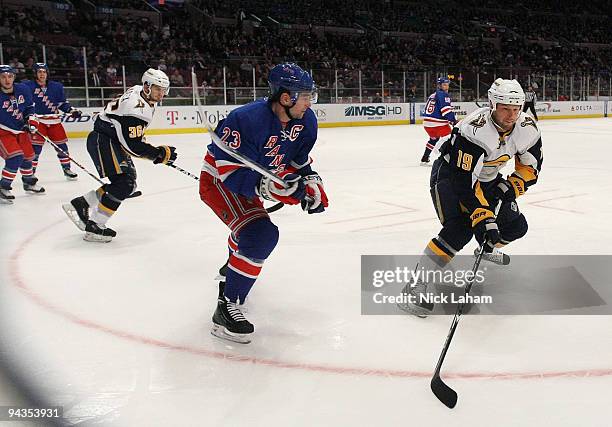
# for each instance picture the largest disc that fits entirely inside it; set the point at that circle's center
(446, 108)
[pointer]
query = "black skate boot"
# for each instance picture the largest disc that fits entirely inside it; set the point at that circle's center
(230, 324)
(425, 161)
(78, 212)
(70, 175)
(30, 186)
(415, 301)
(243, 305)
(6, 197)
(98, 233)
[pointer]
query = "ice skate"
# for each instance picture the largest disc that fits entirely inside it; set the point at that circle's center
(230, 324)
(78, 212)
(98, 233)
(6, 197)
(33, 188)
(70, 175)
(242, 305)
(415, 302)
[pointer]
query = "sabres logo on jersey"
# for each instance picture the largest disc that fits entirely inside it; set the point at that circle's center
(529, 122)
(479, 122)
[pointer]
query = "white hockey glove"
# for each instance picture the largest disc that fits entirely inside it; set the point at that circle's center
(316, 201)
(291, 195)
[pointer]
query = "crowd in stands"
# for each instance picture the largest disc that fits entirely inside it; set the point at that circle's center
(472, 35)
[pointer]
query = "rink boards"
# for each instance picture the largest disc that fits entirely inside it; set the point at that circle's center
(187, 119)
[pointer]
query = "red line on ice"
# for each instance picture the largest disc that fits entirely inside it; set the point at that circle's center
(20, 283)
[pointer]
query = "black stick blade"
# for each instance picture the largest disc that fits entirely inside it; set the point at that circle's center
(444, 393)
(274, 208)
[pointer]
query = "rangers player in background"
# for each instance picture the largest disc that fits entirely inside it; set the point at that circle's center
(278, 133)
(118, 134)
(438, 117)
(16, 123)
(466, 184)
(50, 102)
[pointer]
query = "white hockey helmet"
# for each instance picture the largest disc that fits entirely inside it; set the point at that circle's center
(506, 92)
(156, 77)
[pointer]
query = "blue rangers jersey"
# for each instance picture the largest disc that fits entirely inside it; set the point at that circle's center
(15, 108)
(438, 110)
(49, 100)
(255, 131)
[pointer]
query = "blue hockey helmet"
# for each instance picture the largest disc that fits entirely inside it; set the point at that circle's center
(442, 80)
(7, 69)
(40, 66)
(292, 79)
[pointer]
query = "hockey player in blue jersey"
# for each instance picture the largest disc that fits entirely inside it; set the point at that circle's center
(16, 112)
(278, 133)
(50, 102)
(438, 117)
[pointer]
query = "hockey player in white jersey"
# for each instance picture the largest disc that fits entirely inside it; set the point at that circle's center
(119, 134)
(466, 184)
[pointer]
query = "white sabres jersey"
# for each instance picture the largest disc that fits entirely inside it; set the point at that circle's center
(479, 129)
(130, 115)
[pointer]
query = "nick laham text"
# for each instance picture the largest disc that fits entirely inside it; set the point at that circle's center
(379, 298)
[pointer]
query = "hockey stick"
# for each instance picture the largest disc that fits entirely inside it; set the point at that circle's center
(59, 150)
(244, 159)
(181, 170)
(231, 151)
(136, 193)
(443, 392)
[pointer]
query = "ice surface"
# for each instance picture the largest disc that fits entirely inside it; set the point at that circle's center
(119, 333)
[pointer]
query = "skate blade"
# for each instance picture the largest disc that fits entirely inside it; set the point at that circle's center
(91, 237)
(74, 217)
(6, 201)
(71, 178)
(36, 193)
(221, 332)
(504, 261)
(219, 278)
(425, 164)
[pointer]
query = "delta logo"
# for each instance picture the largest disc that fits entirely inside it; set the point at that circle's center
(582, 108)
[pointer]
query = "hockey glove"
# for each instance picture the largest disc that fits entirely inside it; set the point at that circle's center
(165, 155)
(30, 125)
(486, 230)
(316, 194)
(503, 191)
(292, 195)
(75, 114)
